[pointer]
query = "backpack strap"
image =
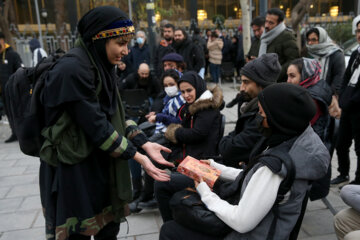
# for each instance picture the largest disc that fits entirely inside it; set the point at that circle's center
(274, 160)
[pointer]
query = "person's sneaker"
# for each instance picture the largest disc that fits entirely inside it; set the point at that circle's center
(151, 204)
(340, 180)
(12, 138)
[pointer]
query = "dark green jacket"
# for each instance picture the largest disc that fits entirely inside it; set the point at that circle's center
(285, 47)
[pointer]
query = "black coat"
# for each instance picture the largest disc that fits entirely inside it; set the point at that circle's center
(8, 64)
(226, 50)
(193, 55)
(322, 93)
(159, 53)
(336, 70)
(137, 56)
(236, 146)
(151, 85)
(199, 133)
(349, 97)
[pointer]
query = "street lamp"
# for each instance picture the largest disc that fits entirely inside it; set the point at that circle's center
(44, 15)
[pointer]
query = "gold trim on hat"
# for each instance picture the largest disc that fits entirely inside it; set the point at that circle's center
(122, 31)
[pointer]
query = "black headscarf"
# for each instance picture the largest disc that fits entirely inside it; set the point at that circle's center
(93, 22)
(195, 80)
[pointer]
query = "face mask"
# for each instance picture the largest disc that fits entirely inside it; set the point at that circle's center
(266, 132)
(140, 40)
(171, 91)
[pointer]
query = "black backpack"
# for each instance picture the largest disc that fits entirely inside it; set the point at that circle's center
(25, 111)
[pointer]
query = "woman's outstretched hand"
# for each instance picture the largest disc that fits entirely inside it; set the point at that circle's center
(154, 152)
(154, 172)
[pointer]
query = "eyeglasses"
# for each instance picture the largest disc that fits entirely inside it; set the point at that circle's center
(357, 31)
(312, 40)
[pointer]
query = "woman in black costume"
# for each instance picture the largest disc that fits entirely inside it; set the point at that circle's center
(84, 177)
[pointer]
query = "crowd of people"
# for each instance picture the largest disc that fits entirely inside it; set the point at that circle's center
(276, 158)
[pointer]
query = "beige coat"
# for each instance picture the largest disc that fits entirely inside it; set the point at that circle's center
(215, 54)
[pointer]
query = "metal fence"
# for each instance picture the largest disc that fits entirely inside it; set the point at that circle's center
(51, 42)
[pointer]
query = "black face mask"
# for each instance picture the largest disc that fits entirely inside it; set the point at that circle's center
(266, 132)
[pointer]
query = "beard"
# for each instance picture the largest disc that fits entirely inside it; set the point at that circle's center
(168, 38)
(245, 97)
(178, 43)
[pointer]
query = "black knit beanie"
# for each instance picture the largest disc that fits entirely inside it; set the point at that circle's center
(289, 108)
(264, 70)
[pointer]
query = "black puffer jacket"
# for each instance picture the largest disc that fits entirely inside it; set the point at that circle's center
(236, 146)
(199, 133)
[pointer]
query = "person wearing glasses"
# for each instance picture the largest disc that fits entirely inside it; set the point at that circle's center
(331, 57)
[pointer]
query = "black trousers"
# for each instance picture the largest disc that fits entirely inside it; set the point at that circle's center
(349, 129)
(109, 232)
(165, 190)
(174, 231)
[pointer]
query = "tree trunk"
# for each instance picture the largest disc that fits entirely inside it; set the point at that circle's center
(60, 16)
(297, 14)
(84, 7)
(4, 23)
(245, 8)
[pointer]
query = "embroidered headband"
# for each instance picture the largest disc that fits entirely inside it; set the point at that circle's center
(118, 28)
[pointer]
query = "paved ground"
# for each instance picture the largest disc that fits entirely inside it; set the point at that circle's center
(20, 209)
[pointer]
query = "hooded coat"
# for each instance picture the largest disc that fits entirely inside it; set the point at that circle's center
(199, 132)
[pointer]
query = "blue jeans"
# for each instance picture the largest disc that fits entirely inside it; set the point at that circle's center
(215, 72)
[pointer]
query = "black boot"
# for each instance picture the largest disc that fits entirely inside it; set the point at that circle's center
(12, 138)
(148, 201)
(137, 191)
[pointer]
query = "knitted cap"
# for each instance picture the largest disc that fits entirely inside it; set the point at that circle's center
(264, 70)
(173, 57)
(289, 108)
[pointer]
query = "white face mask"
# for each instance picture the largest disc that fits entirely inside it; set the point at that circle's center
(171, 91)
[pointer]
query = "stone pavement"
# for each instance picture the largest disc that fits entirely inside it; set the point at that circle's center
(21, 215)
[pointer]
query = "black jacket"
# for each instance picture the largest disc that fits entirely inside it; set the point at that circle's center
(226, 50)
(349, 96)
(322, 93)
(159, 53)
(10, 61)
(199, 133)
(193, 55)
(137, 56)
(236, 146)
(336, 70)
(151, 84)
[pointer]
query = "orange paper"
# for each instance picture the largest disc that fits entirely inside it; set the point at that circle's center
(193, 168)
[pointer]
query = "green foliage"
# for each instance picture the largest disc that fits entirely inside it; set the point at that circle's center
(139, 10)
(340, 32)
(218, 20)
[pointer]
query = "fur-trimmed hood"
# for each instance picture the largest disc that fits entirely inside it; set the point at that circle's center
(211, 98)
